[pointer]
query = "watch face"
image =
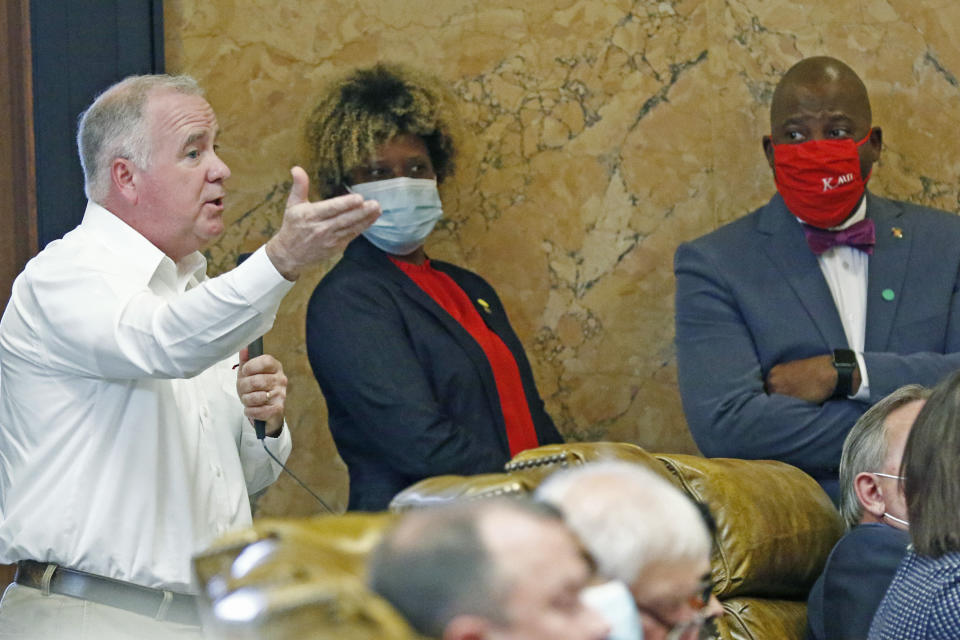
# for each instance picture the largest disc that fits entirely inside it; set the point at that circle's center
(845, 362)
(844, 357)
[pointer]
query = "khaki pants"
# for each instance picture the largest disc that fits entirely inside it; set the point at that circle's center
(27, 614)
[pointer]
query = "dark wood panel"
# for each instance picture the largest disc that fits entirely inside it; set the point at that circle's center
(18, 202)
(80, 47)
(18, 198)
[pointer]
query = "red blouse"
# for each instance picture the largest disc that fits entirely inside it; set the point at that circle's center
(521, 433)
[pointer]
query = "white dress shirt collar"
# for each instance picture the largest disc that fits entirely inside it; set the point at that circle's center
(142, 256)
(857, 216)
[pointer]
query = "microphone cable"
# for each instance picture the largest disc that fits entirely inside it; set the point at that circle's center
(254, 350)
(299, 481)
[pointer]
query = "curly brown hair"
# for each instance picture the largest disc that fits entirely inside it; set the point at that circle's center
(370, 106)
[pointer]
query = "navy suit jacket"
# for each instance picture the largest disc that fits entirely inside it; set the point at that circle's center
(410, 394)
(751, 295)
(859, 570)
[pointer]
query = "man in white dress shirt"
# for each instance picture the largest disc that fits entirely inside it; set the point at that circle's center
(793, 320)
(127, 443)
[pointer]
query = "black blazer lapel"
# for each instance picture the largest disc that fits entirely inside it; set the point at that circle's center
(786, 246)
(887, 271)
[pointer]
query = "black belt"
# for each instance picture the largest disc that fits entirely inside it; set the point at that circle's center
(155, 603)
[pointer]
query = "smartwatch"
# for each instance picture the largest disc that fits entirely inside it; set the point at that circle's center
(845, 362)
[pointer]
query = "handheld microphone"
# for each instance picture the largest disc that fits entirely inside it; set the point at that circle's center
(255, 349)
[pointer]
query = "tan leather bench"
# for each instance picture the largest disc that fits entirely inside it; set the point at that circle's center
(775, 528)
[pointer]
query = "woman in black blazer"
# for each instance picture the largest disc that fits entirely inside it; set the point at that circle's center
(422, 373)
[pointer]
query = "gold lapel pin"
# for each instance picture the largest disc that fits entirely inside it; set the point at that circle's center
(483, 303)
(897, 232)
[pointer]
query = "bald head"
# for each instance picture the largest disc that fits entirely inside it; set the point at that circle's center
(437, 556)
(822, 98)
(818, 77)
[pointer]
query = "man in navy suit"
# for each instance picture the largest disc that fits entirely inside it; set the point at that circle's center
(862, 564)
(792, 321)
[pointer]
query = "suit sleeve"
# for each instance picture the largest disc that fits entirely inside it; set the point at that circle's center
(721, 381)
(363, 358)
(856, 577)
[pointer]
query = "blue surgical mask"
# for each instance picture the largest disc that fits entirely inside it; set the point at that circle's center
(614, 602)
(410, 207)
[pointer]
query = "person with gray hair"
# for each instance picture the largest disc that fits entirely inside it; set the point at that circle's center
(126, 414)
(645, 533)
(504, 569)
(114, 127)
(862, 564)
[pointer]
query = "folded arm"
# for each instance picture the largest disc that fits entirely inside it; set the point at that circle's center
(722, 383)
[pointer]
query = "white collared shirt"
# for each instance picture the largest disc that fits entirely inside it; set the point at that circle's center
(845, 270)
(123, 445)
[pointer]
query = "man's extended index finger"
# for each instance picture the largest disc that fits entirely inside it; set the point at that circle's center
(333, 207)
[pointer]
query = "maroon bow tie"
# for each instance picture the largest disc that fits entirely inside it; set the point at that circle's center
(861, 235)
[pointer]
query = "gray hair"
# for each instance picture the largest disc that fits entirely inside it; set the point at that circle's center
(628, 517)
(114, 126)
(865, 448)
(434, 565)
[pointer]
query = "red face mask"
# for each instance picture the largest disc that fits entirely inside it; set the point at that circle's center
(820, 179)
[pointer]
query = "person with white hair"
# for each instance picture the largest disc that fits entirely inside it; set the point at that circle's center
(646, 534)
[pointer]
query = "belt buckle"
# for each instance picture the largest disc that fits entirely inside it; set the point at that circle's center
(164, 605)
(48, 572)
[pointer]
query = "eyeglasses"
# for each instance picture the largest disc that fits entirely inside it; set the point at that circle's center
(697, 601)
(700, 599)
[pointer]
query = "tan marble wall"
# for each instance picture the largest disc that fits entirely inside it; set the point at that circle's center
(601, 134)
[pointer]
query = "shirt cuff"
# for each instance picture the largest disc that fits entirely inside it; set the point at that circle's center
(259, 282)
(281, 445)
(863, 393)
